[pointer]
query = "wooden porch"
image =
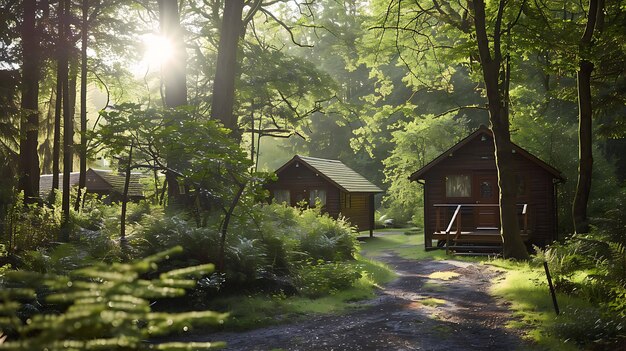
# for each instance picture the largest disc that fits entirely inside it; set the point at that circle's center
(465, 230)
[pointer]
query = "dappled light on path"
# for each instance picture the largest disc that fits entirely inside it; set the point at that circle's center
(433, 305)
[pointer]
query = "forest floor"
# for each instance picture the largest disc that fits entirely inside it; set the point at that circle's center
(432, 305)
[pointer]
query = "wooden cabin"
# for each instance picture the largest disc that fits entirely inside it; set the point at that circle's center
(106, 184)
(461, 195)
(340, 190)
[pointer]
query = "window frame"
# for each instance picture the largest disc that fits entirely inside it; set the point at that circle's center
(470, 178)
(288, 196)
(313, 196)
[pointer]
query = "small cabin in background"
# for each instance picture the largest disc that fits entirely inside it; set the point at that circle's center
(461, 194)
(337, 187)
(107, 184)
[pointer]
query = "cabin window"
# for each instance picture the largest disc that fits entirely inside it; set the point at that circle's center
(282, 195)
(346, 200)
(459, 185)
(316, 194)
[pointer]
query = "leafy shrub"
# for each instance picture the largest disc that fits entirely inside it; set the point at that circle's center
(592, 266)
(318, 278)
(289, 235)
(591, 328)
(158, 234)
(103, 307)
(325, 238)
(58, 260)
(277, 227)
(30, 227)
(246, 259)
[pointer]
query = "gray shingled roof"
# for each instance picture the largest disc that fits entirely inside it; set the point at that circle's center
(117, 180)
(114, 179)
(339, 174)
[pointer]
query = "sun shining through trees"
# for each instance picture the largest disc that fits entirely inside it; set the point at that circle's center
(129, 127)
(157, 52)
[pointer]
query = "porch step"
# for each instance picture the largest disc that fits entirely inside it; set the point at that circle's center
(475, 250)
(477, 253)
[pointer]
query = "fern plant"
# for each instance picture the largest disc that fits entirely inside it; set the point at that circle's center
(104, 307)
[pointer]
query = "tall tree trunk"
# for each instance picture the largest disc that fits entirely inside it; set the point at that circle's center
(83, 105)
(226, 69)
(585, 155)
(56, 141)
(29, 122)
(174, 81)
(68, 125)
(125, 193)
(495, 78)
(175, 72)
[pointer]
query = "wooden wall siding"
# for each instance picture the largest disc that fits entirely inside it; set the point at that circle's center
(476, 157)
(358, 212)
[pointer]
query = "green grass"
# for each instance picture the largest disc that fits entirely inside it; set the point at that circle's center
(526, 289)
(407, 243)
(433, 302)
(403, 242)
(248, 312)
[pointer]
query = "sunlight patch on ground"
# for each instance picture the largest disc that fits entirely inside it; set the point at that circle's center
(443, 275)
(433, 302)
(457, 263)
(434, 287)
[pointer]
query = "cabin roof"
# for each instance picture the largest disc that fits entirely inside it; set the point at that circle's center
(419, 174)
(117, 181)
(336, 173)
(114, 180)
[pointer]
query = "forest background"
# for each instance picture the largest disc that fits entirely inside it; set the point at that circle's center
(212, 93)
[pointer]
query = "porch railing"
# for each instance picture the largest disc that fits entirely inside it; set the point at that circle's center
(456, 219)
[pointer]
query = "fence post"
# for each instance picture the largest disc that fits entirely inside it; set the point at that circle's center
(552, 292)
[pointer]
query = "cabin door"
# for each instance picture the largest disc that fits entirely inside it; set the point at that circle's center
(486, 196)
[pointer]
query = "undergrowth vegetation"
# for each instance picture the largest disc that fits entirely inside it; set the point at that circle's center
(275, 253)
(592, 267)
(100, 307)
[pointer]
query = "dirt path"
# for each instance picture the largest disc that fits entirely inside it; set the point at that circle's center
(417, 311)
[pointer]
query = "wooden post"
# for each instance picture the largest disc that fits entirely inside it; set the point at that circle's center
(458, 223)
(525, 213)
(438, 221)
(552, 292)
(447, 242)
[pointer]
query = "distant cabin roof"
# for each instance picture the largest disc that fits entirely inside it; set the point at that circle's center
(335, 172)
(117, 180)
(114, 180)
(487, 132)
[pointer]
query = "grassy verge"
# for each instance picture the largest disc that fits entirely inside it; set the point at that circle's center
(526, 289)
(248, 312)
(405, 242)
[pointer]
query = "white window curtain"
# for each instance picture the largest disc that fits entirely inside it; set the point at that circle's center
(282, 196)
(317, 194)
(459, 185)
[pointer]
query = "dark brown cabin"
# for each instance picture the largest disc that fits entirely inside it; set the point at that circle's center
(464, 180)
(107, 184)
(340, 189)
